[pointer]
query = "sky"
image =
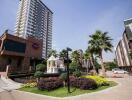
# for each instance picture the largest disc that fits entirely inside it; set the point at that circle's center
(75, 20)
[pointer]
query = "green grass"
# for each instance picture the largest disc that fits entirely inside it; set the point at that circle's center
(62, 92)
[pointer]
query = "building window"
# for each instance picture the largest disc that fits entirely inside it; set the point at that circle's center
(14, 46)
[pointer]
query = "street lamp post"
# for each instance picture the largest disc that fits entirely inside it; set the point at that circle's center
(68, 80)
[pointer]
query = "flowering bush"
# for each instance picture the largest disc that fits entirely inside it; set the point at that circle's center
(83, 83)
(25, 80)
(73, 81)
(99, 80)
(49, 83)
(34, 84)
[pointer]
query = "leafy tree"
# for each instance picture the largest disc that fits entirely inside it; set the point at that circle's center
(63, 54)
(99, 42)
(110, 65)
(76, 57)
(73, 67)
(52, 52)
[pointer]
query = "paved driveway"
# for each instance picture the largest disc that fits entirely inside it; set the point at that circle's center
(121, 92)
(8, 84)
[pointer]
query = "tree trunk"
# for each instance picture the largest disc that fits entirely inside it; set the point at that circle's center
(102, 65)
(92, 62)
(37, 80)
(87, 64)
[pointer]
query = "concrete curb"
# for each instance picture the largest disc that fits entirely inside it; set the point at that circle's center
(96, 92)
(92, 93)
(50, 97)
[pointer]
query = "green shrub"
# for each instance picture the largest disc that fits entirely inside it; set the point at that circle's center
(73, 67)
(49, 84)
(40, 67)
(27, 85)
(99, 80)
(38, 74)
(77, 73)
(83, 83)
(63, 76)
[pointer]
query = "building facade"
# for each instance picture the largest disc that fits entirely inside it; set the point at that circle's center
(124, 47)
(34, 18)
(20, 54)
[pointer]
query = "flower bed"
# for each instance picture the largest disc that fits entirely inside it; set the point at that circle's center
(83, 83)
(49, 83)
(62, 91)
(99, 80)
(53, 86)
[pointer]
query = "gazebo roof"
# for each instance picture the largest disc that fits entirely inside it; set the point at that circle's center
(52, 58)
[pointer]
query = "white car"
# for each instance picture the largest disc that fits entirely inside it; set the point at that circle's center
(115, 69)
(120, 71)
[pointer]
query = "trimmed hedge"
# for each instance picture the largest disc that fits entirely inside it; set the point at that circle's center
(40, 67)
(49, 83)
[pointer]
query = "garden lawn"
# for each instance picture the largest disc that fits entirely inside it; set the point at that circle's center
(62, 92)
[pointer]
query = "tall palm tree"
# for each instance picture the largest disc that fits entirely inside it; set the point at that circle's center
(91, 52)
(99, 42)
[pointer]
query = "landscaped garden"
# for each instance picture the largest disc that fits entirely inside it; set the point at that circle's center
(62, 91)
(82, 78)
(55, 86)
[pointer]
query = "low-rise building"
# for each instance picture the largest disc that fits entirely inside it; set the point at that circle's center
(20, 54)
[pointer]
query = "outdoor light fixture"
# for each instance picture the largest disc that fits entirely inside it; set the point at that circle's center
(68, 80)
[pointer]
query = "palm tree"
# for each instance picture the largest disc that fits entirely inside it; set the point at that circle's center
(91, 52)
(99, 42)
(87, 57)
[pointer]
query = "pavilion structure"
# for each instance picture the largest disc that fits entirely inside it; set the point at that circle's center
(54, 64)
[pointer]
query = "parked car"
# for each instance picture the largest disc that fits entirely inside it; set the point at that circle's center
(120, 71)
(114, 69)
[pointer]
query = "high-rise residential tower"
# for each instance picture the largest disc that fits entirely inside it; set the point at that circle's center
(34, 18)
